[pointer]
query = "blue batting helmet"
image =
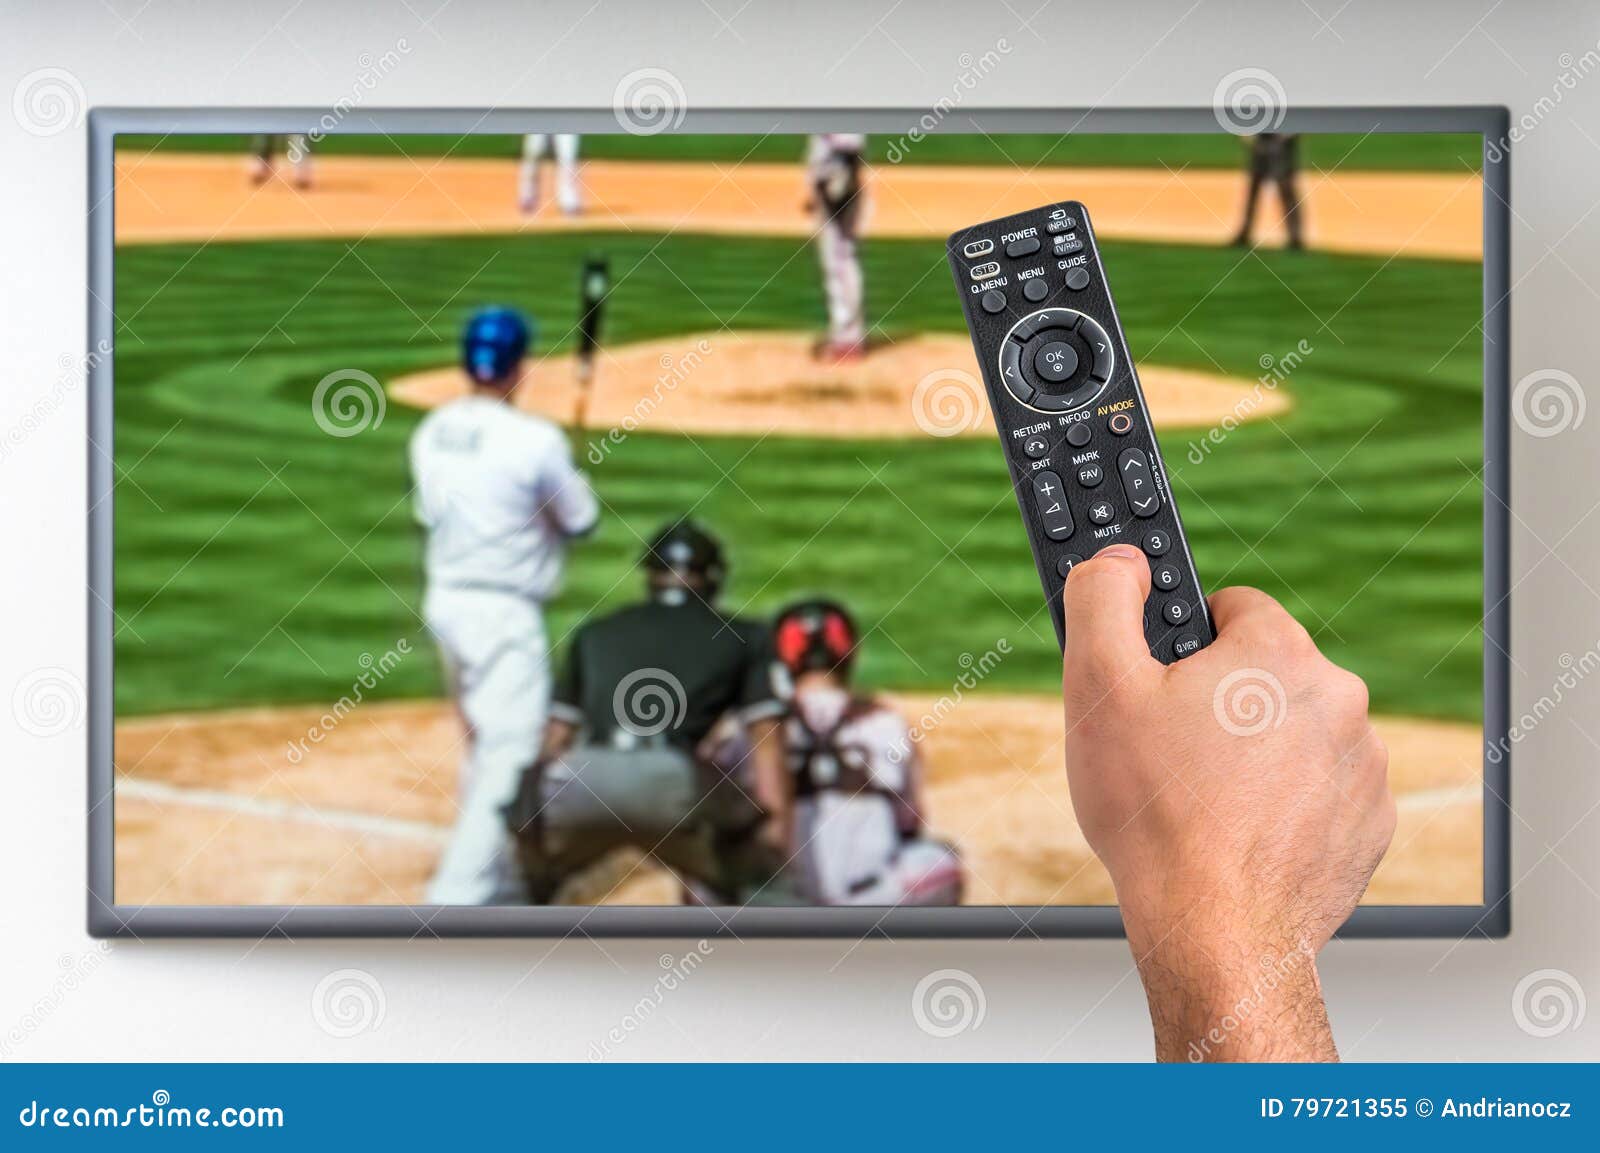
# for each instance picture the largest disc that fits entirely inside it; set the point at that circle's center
(495, 340)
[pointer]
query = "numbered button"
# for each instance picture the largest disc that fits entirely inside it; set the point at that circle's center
(1065, 562)
(1175, 612)
(1157, 543)
(1166, 578)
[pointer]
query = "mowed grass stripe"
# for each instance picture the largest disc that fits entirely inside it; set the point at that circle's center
(227, 346)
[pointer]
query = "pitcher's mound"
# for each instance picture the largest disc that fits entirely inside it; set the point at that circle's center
(769, 382)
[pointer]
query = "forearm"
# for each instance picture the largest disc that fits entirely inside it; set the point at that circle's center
(773, 787)
(1222, 1003)
(558, 738)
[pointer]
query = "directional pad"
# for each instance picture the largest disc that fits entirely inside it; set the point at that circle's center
(1056, 360)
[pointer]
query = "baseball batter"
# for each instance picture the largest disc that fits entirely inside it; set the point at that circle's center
(536, 147)
(499, 499)
(836, 197)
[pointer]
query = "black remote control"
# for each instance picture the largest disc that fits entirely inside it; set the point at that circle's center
(1071, 414)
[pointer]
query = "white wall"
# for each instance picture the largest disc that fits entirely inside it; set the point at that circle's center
(531, 999)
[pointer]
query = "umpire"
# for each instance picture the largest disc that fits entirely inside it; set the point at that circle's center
(620, 765)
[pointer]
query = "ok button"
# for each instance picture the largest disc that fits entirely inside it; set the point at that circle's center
(1056, 362)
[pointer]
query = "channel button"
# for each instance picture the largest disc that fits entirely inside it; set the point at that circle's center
(1137, 483)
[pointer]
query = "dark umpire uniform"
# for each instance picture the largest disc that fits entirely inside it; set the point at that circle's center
(1275, 158)
(637, 695)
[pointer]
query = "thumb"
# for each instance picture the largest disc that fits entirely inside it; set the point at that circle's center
(1104, 609)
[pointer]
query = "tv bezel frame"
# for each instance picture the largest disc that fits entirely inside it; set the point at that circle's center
(1491, 919)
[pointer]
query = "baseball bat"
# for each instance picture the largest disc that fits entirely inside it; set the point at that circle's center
(593, 285)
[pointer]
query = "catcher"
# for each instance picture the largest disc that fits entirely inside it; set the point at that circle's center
(859, 831)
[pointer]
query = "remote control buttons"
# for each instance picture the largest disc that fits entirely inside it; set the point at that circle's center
(1035, 289)
(1137, 484)
(976, 248)
(1156, 543)
(985, 270)
(1077, 278)
(1042, 321)
(1101, 512)
(1027, 246)
(1036, 448)
(1100, 345)
(1078, 434)
(1060, 221)
(1011, 372)
(1120, 423)
(1175, 612)
(1056, 361)
(1090, 475)
(1067, 245)
(1166, 578)
(993, 301)
(1050, 496)
(1185, 644)
(1065, 562)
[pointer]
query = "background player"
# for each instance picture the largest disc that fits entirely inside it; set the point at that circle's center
(536, 146)
(297, 146)
(1274, 156)
(859, 833)
(835, 195)
(499, 497)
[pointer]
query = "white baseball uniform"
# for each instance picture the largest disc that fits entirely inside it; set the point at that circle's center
(833, 169)
(499, 496)
(564, 145)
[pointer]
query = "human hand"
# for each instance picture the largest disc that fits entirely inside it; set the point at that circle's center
(1239, 799)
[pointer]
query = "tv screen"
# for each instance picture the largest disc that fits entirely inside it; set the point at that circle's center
(424, 447)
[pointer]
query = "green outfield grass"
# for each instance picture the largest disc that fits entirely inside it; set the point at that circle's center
(258, 558)
(1399, 152)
